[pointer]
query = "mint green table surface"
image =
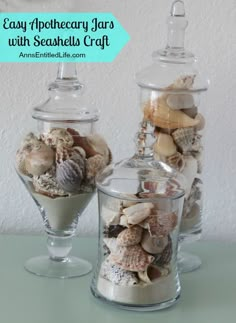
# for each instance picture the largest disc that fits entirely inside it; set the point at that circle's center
(208, 295)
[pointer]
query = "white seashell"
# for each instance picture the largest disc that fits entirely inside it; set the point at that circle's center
(164, 146)
(150, 274)
(111, 243)
(117, 275)
(153, 245)
(138, 212)
(109, 216)
(180, 101)
(124, 221)
(197, 145)
(190, 172)
(201, 123)
(183, 138)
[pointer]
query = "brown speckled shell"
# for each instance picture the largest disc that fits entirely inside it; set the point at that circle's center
(132, 258)
(58, 136)
(130, 236)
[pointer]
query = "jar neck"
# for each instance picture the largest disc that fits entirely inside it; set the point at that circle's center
(144, 141)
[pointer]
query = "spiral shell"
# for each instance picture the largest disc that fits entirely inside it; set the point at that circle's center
(70, 169)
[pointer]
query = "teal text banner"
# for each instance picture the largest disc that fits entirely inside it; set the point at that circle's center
(60, 37)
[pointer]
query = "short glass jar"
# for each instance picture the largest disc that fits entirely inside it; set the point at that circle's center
(140, 207)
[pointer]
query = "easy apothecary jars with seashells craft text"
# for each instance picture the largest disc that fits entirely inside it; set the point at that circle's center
(58, 164)
(171, 107)
(140, 207)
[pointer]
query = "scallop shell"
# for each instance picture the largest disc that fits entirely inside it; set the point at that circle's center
(164, 117)
(164, 146)
(46, 184)
(183, 138)
(132, 258)
(202, 122)
(190, 172)
(58, 136)
(180, 101)
(39, 160)
(117, 275)
(130, 236)
(176, 161)
(153, 245)
(150, 274)
(138, 212)
(70, 169)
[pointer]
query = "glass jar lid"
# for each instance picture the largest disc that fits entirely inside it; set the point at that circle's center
(174, 61)
(66, 102)
(137, 178)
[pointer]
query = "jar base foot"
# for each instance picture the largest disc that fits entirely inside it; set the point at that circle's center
(68, 268)
(188, 262)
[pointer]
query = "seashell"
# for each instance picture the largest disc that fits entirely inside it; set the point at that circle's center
(138, 212)
(132, 258)
(190, 172)
(70, 170)
(58, 136)
(197, 145)
(183, 138)
(183, 82)
(130, 236)
(30, 140)
(109, 216)
(164, 145)
(150, 274)
(46, 184)
(94, 165)
(127, 203)
(117, 275)
(180, 101)
(176, 161)
(164, 117)
(111, 243)
(112, 231)
(124, 221)
(153, 245)
(39, 160)
(160, 224)
(159, 157)
(192, 112)
(166, 255)
(201, 123)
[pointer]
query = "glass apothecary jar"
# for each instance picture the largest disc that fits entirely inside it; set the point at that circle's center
(170, 99)
(140, 207)
(58, 163)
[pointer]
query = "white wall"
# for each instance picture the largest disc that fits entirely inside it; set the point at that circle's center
(210, 35)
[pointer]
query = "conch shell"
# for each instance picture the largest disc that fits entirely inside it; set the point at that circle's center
(150, 274)
(70, 170)
(159, 114)
(130, 236)
(164, 146)
(132, 258)
(58, 136)
(183, 138)
(138, 212)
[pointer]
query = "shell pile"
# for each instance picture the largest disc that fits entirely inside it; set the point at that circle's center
(178, 126)
(137, 242)
(61, 162)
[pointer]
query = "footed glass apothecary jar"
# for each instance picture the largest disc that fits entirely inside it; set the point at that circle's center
(170, 99)
(140, 207)
(58, 163)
